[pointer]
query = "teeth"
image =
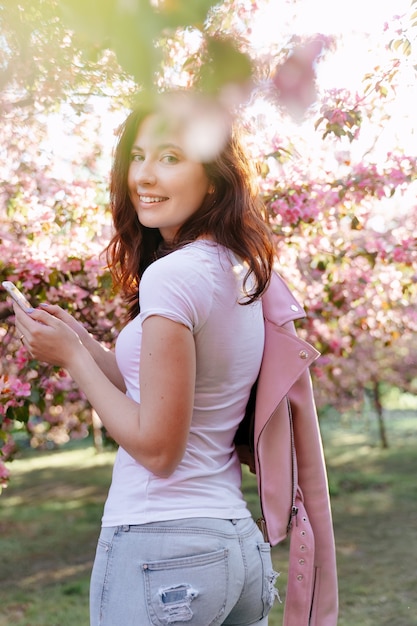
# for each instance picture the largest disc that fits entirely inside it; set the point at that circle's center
(151, 199)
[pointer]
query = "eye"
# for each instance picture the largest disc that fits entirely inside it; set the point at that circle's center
(169, 158)
(135, 156)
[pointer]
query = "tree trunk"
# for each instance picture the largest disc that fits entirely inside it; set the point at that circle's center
(380, 414)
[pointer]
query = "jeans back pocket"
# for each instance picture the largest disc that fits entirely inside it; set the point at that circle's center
(191, 589)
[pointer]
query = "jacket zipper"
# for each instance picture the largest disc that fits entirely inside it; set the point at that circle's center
(261, 523)
(294, 508)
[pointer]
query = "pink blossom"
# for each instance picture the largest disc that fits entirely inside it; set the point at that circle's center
(72, 265)
(8, 447)
(20, 388)
(295, 78)
(337, 117)
(22, 357)
(4, 475)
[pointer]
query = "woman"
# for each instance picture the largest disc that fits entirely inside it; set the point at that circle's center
(193, 255)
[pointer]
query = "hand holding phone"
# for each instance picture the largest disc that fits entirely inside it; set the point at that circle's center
(17, 295)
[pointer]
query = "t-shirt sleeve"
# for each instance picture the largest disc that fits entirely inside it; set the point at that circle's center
(178, 287)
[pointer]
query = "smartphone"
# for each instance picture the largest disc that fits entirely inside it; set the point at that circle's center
(17, 295)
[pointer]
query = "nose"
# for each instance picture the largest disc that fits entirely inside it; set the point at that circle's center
(144, 173)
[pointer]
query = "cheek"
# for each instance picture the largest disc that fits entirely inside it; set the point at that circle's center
(130, 178)
(201, 186)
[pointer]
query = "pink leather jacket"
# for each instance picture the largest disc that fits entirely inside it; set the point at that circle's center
(285, 451)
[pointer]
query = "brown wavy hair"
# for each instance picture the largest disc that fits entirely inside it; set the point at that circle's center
(233, 215)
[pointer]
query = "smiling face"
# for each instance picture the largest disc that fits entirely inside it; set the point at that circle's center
(165, 186)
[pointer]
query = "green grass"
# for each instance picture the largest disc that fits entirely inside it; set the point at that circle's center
(50, 516)
(49, 519)
(374, 501)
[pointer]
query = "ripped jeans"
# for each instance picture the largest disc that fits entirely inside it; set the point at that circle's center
(202, 572)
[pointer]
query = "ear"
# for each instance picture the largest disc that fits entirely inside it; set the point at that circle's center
(211, 189)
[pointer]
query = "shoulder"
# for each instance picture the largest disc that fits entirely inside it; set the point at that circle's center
(180, 284)
(193, 263)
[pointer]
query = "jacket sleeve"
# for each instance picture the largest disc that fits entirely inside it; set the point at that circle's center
(314, 494)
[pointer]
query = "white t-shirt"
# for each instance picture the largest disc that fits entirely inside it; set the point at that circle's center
(200, 286)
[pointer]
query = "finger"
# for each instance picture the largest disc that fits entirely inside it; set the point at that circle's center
(23, 325)
(53, 309)
(22, 328)
(21, 318)
(44, 317)
(65, 317)
(28, 321)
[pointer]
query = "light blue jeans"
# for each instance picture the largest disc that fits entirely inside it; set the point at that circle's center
(202, 572)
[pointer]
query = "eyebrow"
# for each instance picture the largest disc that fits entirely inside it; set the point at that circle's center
(162, 146)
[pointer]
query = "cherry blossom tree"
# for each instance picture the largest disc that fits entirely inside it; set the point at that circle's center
(343, 213)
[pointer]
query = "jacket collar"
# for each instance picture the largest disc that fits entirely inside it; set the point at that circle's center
(279, 305)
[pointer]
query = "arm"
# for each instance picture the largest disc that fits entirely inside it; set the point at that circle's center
(155, 432)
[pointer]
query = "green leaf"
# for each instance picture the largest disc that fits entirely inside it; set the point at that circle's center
(129, 30)
(35, 396)
(225, 65)
(177, 13)
(20, 413)
(89, 19)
